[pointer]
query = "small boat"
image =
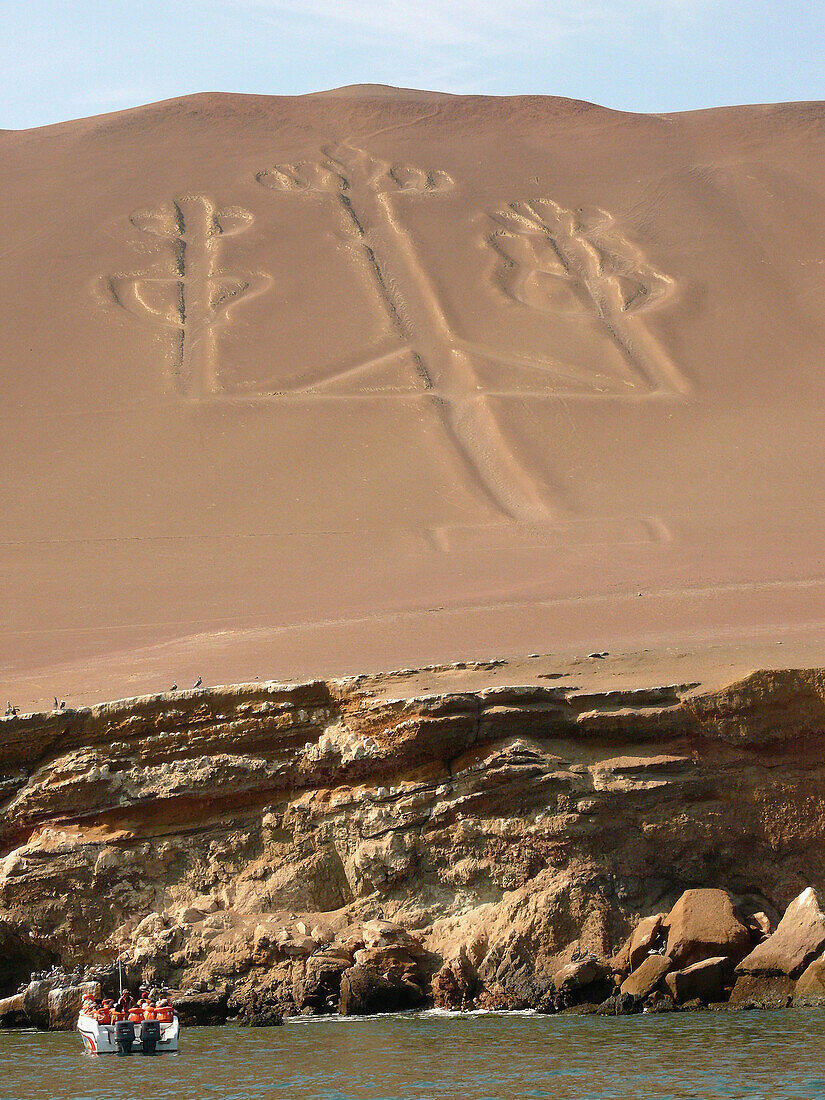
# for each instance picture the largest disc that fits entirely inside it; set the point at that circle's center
(127, 1037)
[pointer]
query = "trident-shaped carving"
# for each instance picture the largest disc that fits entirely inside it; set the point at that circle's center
(192, 296)
(559, 261)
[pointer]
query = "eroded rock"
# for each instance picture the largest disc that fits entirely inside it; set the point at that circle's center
(455, 984)
(366, 992)
(636, 949)
(11, 1012)
(798, 939)
(809, 991)
(762, 991)
(647, 977)
(64, 1004)
(702, 981)
(202, 1009)
(703, 924)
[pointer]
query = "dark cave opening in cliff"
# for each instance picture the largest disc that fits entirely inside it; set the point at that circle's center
(18, 958)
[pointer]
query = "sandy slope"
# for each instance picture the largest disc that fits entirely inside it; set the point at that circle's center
(368, 378)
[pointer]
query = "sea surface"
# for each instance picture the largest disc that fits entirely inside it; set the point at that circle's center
(474, 1056)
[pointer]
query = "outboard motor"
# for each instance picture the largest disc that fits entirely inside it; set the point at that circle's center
(124, 1036)
(150, 1036)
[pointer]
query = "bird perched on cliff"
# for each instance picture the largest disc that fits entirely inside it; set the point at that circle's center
(199, 681)
(62, 704)
(56, 704)
(174, 686)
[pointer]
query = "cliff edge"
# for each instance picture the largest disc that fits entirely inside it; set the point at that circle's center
(237, 838)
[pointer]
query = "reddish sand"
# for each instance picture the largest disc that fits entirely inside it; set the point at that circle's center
(317, 385)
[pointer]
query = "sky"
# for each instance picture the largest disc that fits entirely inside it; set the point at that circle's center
(63, 59)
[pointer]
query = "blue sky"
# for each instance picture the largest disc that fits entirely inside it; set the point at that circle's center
(63, 59)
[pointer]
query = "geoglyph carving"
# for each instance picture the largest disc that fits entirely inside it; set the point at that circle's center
(187, 292)
(363, 188)
(560, 261)
(548, 260)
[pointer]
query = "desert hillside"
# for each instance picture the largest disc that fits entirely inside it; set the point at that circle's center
(371, 378)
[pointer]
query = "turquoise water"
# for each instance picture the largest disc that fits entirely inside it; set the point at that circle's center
(702, 1056)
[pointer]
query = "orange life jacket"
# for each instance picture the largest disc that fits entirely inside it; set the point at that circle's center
(135, 1015)
(164, 1014)
(104, 1016)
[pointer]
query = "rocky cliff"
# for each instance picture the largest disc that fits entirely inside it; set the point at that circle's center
(257, 838)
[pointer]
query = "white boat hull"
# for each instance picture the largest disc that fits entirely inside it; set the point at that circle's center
(100, 1038)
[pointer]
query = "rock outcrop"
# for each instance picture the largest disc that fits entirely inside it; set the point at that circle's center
(341, 843)
(703, 923)
(12, 1013)
(365, 991)
(646, 935)
(798, 939)
(701, 981)
(809, 991)
(646, 977)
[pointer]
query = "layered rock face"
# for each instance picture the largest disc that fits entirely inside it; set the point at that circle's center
(337, 844)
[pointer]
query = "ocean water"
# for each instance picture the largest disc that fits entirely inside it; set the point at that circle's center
(474, 1056)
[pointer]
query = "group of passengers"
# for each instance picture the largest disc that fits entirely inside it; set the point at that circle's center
(149, 1005)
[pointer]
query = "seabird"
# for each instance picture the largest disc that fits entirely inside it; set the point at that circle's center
(174, 686)
(199, 681)
(8, 708)
(56, 704)
(62, 704)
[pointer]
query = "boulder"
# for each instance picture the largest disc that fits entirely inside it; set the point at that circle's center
(585, 1009)
(267, 1017)
(205, 903)
(762, 991)
(619, 1004)
(189, 915)
(36, 1003)
(809, 991)
(196, 1009)
(576, 975)
(64, 1004)
(294, 944)
(703, 924)
(703, 981)
(798, 939)
(659, 1002)
(366, 991)
(454, 985)
(382, 958)
(644, 936)
(759, 926)
(320, 986)
(383, 933)
(647, 977)
(11, 1012)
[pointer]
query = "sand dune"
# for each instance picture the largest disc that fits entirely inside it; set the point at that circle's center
(372, 377)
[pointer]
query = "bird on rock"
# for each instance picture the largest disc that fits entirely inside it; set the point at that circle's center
(199, 681)
(174, 686)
